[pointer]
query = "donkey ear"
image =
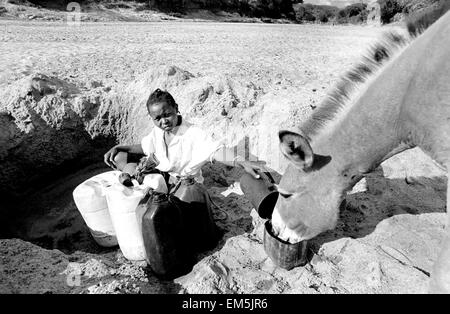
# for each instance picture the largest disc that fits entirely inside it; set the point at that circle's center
(296, 148)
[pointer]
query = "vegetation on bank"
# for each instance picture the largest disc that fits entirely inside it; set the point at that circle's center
(293, 10)
(389, 11)
(309, 13)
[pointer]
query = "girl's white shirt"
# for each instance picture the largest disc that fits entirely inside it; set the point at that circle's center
(189, 149)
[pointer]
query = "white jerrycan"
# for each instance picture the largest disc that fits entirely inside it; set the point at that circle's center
(156, 182)
(123, 202)
(90, 200)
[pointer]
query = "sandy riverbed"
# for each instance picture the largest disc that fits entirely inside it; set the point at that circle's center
(273, 56)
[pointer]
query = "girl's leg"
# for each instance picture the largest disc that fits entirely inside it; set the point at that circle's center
(127, 162)
(121, 160)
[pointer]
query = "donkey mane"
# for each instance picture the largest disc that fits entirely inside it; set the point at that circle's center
(419, 23)
(344, 92)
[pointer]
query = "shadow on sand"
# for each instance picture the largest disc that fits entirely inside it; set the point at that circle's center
(382, 198)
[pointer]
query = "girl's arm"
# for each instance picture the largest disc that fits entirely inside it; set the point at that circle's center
(227, 156)
(112, 153)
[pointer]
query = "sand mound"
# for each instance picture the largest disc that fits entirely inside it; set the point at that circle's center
(239, 113)
(43, 131)
(48, 122)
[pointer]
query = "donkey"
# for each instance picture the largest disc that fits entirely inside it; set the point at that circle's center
(397, 98)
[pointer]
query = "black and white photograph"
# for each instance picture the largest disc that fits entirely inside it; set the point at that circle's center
(227, 153)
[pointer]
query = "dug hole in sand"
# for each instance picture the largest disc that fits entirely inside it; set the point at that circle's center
(53, 135)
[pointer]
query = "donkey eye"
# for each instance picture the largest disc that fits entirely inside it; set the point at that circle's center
(284, 195)
(282, 192)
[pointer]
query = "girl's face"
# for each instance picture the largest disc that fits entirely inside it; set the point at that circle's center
(164, 116)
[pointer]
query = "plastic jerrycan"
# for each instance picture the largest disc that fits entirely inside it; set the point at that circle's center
(193, 198)
(90, 199)
(123, 205)
(167, 252)
(156, 182)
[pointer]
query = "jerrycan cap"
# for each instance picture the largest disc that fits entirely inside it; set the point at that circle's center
(158, 197)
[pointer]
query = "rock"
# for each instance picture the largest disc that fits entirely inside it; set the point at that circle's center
(374, 13)
(114, 287)
(93, 268)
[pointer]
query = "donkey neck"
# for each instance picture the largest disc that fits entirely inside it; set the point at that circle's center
(365, 132)
(376, 120)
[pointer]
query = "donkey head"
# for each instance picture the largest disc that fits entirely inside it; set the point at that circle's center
(310, 192)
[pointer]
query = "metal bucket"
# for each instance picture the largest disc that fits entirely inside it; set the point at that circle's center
(262, 193)
(283, 254)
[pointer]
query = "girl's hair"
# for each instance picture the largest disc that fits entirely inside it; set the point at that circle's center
(161, 96)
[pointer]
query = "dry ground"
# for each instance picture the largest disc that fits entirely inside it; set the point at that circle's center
(304, 57)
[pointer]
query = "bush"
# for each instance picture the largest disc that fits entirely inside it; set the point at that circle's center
(252, 8)
(18, 1)
(116, 6)
(269, 8)
(354, 13)
(323, 17)
(143, 7)
(356, 9)
(314, 13)
(389, 8)
(302, 13)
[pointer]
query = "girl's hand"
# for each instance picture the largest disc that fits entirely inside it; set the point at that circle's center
(108, 158)
(252, 167)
